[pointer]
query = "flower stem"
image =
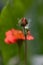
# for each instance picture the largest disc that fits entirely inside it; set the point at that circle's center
(25, 51)
(19, 55)
(25, 60)
(19, 50)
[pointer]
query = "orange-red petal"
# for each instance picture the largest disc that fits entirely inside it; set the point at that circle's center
(30, 37)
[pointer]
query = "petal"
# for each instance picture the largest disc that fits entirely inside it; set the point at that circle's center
(30, 37)
(13, 30)
(10, 39)
(20, 35)
(6, 41)
(8, 33)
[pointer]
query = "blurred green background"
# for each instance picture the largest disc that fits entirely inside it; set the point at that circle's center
(10, 11)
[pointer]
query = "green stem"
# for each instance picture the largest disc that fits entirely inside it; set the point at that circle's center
(19, 55)
(19, 50)
(25, 60)
(25, 51)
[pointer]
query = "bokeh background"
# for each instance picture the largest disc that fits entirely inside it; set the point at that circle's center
(10, 11)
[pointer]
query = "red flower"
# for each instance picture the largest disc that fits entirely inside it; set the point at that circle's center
(13, 36)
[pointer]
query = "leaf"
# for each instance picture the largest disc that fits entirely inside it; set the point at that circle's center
(9, 19)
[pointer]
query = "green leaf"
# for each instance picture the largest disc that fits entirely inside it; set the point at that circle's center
(9, 19)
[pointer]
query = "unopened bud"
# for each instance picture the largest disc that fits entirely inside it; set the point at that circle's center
(23, 22)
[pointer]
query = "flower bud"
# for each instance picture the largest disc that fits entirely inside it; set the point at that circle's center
(23, 22)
